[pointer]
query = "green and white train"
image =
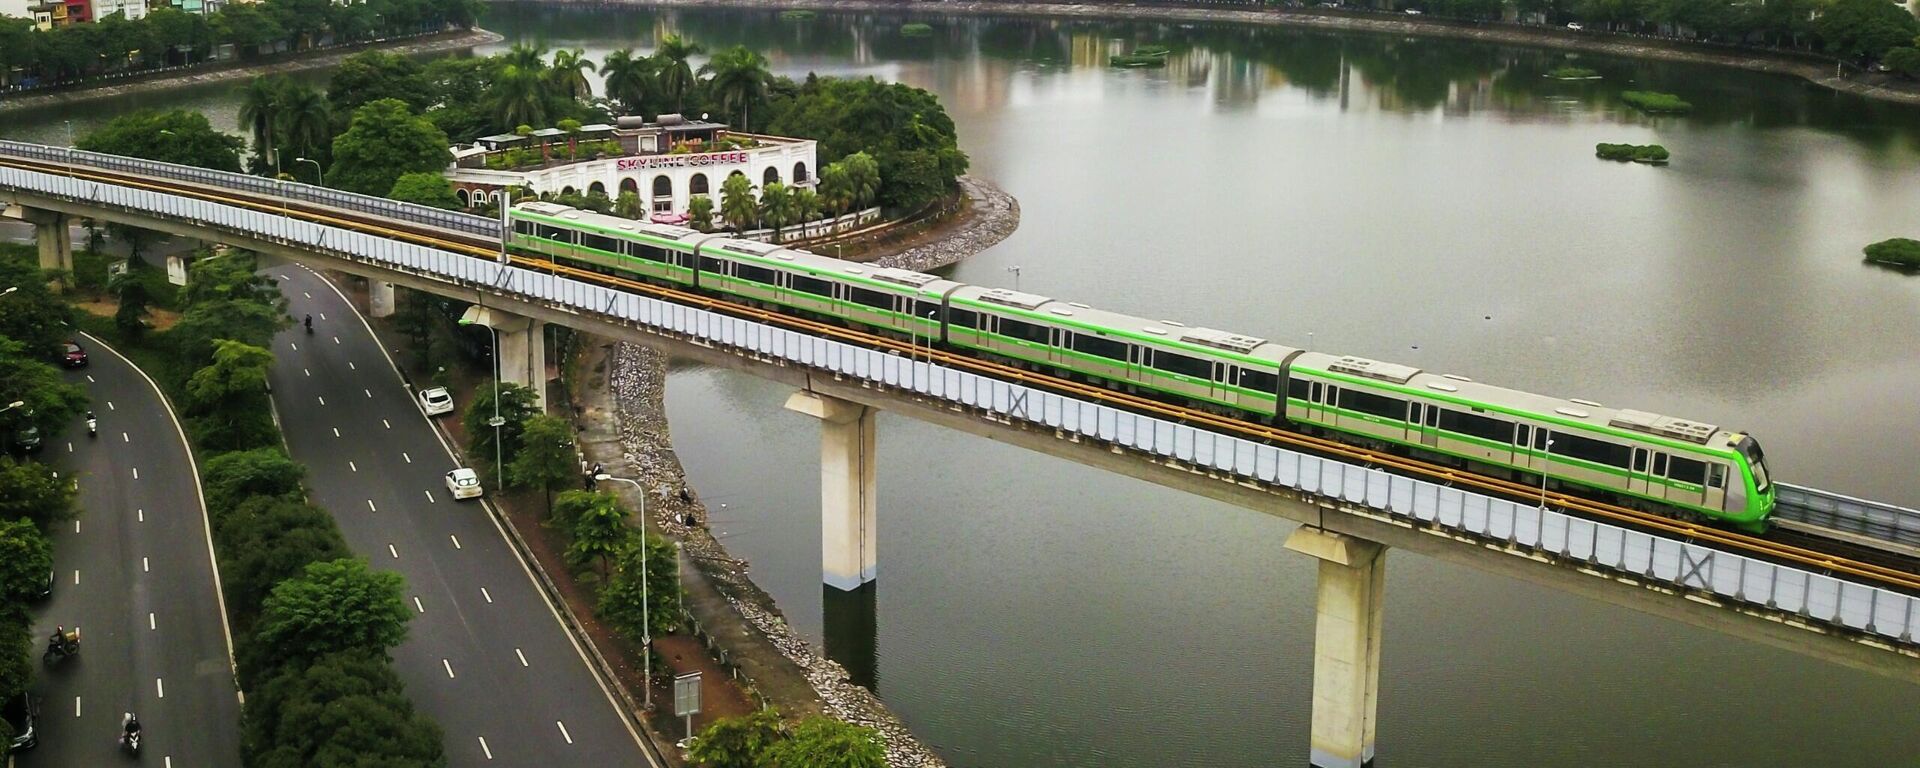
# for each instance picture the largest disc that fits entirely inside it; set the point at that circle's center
(1675, 466)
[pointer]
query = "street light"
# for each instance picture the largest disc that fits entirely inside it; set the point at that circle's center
(1015, 269)
(1545, 460)
(69, 132)
(477, 314)
(13, 405)
(646, 620)
(319, 174)
(9, 290)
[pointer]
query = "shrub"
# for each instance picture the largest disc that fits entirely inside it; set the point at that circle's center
(1656, 103)
(1899, 252)
(1573, 73)
(916, 29)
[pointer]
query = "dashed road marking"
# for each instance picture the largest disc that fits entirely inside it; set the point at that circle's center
(351, 366)
(140, 515)
(323, 315)
(307, 372)
(110, 406)
(456, 540)
(76, 576)
(76, 526)
(159, 688)
(371, 507)
(308, 295)
(370, 396)
(563, 731)
(323, 401)
(124, 438)
(403, 454)
(488, 595)
(483, 747)
(352, 466)
(417, 606)
(430, 499)
(150, 621)
(76, 706)
(523, 657)
(136, 473)
(384, 422)
(145, 566)
(392, 551)
(449, 666)
(336, 431)
(296, 347)
(336, 340)
(90, 379)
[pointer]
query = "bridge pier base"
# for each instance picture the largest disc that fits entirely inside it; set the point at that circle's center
(50, 230)
(379, 298)
(849, 509)
(523, 356)
(1346, 645)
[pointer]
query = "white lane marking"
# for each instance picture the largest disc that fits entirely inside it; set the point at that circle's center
(159, 688)
(136, 473)
(417, 606)
(145, 567)
(307, 372)
(124, 438)
(169, 761)
(283, 276)
(308, 295)
(69, 447)
(563, 731)
(449, 666)
(150, 621)
(483, 747)
(110, 406)
(323, 315)
(394, 552)
(76, 706)
(90, 378)
(403, 454)
(323, 401)
(140, 515)
(370, 507)
(352, 466)
(488, 595)
(76, 526)
(336, 431)
(456, 540)
(336, 340)
(383, 422)
(523, 657)
(370, 396)
(76, 576)
(351, 366)
(296, 347)
(430, 499)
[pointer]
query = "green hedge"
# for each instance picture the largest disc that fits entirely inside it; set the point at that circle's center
(1899, 252)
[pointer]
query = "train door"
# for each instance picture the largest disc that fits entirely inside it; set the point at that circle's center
(1637, 473)
(1139, 363)
(1425, 421)
(1216, 390)
(1322, 398)
(1059, 339)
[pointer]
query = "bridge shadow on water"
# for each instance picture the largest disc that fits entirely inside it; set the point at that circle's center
(850, 629)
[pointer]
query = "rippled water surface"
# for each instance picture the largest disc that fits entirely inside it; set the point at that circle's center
(1422, 201)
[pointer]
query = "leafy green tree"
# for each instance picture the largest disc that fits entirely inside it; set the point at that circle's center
(863, 178)
(134, 297)
(546, 459)
(700, 212)
(806, 205)
(226, 298)
(599, 534)
(227, 398)
(260, 113)
(386, 141)
(570, 505)
(676, 75)
(306, 121)
(344, 709)
(417, 317)
(233, 276)
(34, 491)
(1904, 60)
(630, 80)
(914, 178)
(1864, 29)
(48, 402)
(737, 205)
(516, 408)
(737, 742)
(823, 742)
(628, 206)
(265, 540)
(232, 477)
(777, 208)
(568, 75)
(332, 606)
(33, 314)
(738, 79)
(176, 136)
(519, 96)
(25, 560)
(622, 602)
(365, 78)
(247, 26)
(836, 188)
(426, 189)
(16, 654)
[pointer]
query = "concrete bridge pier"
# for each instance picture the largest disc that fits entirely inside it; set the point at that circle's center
(522, 346)
(849, 552)
(1346, 644)
(50, 229)
(379, 298)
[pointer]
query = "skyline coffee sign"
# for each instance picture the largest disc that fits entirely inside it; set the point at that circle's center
(679, 161)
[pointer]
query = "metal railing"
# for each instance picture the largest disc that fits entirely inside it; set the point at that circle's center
(1732, 580)
(1831, 511)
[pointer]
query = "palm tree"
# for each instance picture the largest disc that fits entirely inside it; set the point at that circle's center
(776, 207)
(260, 112)
(569, 74)
(806, 205)
(700, 212)
(739, 78)
(863, 177)
(737, 205)
(518, 96)
(306, 119)
(527, 56)
(630, 79)
(836, 188)
(676, 75)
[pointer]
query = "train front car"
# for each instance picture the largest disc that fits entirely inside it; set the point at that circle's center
(1760, 492)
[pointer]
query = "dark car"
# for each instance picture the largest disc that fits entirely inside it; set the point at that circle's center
(76, 355)
(20, 713)
(27, 440)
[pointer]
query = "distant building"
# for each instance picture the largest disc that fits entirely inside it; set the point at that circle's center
(133, 9)
(665, 162)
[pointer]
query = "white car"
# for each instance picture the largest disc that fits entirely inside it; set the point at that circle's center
(1575, 26)
(463, 483)
(436, 400)
(1413, 11)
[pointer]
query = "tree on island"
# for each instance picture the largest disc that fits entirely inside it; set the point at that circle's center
(630, 79)
(175, 136)
(386, 141)
(738, 80)
(676, 75)
(737, 206)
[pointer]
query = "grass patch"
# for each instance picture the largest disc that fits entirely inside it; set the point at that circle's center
(1638, 153)
(1656, 103)
(1899, 252)
(1146, 56)
(798, 14)
(1574, 73)
(916, 29)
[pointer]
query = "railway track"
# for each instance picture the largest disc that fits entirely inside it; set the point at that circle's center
(1892, 567)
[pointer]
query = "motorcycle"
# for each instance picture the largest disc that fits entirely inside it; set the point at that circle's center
(131, 743)
(61, 648)
(93, 427)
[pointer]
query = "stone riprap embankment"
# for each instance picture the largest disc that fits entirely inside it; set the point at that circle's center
(993, 216)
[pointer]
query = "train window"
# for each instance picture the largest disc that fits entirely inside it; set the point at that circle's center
(557, 234)
(871, 298)
(1319, 390)
(1297, 389)
(810, 284)
(1372, 404)
(927, 310)
(648, 252)
(1525, 436)
(1476, 426)
(1183, 365)
(1717, 475)
(1094, 345)
(757, 274)
(1639, 459)
(1660, 465)
(599, 242)
(1687, 470)
(1259, 381)
(713, 266)
(684, 260)
(964, 318)
(1024, 331)
(1588, 449)
(523, 228)
(1540, 438)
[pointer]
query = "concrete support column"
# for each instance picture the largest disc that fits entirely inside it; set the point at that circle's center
(849, 552)
(523, 355)
(50, 229)
(379, 298)
(1346, 644)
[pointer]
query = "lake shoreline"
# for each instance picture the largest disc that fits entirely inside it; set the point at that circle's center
(230, 71)
(1874, 86)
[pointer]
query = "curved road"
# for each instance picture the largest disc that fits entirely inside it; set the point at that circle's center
(135, 571)
(485, 653)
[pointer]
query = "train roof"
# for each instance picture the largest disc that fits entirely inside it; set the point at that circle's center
(1159, 332)
(614, 224)
(903, 280)
(1584, 412)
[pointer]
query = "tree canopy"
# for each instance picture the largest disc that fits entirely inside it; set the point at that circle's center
(331, 607)
(385, 141)
(34, 491)
(426, 189)
(904, 129)
(173, 136)
(25, 560)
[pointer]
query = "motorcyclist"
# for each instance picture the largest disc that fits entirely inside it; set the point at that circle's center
(67, 641)
(93, 427)
(129, 727)
(309, 323)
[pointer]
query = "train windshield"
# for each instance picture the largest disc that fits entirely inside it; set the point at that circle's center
(1750, 448)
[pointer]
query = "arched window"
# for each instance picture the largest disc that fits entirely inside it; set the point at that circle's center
(629, 184)
(772, 175)
(597, 188)
(698, 184)
(466, 198)
(799, 173)
(569, 191)
(662, 194)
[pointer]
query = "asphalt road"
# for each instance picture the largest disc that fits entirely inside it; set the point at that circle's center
(485, 654)
(135, 572)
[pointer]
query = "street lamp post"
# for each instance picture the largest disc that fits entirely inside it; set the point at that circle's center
(69, 132)
(1015, 269)
(1544, 461)
(319, 174)
(646, 620)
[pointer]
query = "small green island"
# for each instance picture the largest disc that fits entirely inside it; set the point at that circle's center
(916, 29)
(1654, 103)
(1146, 56)
(1651, 154)
(797, 14)
(1573, 73)
(1898, 252)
